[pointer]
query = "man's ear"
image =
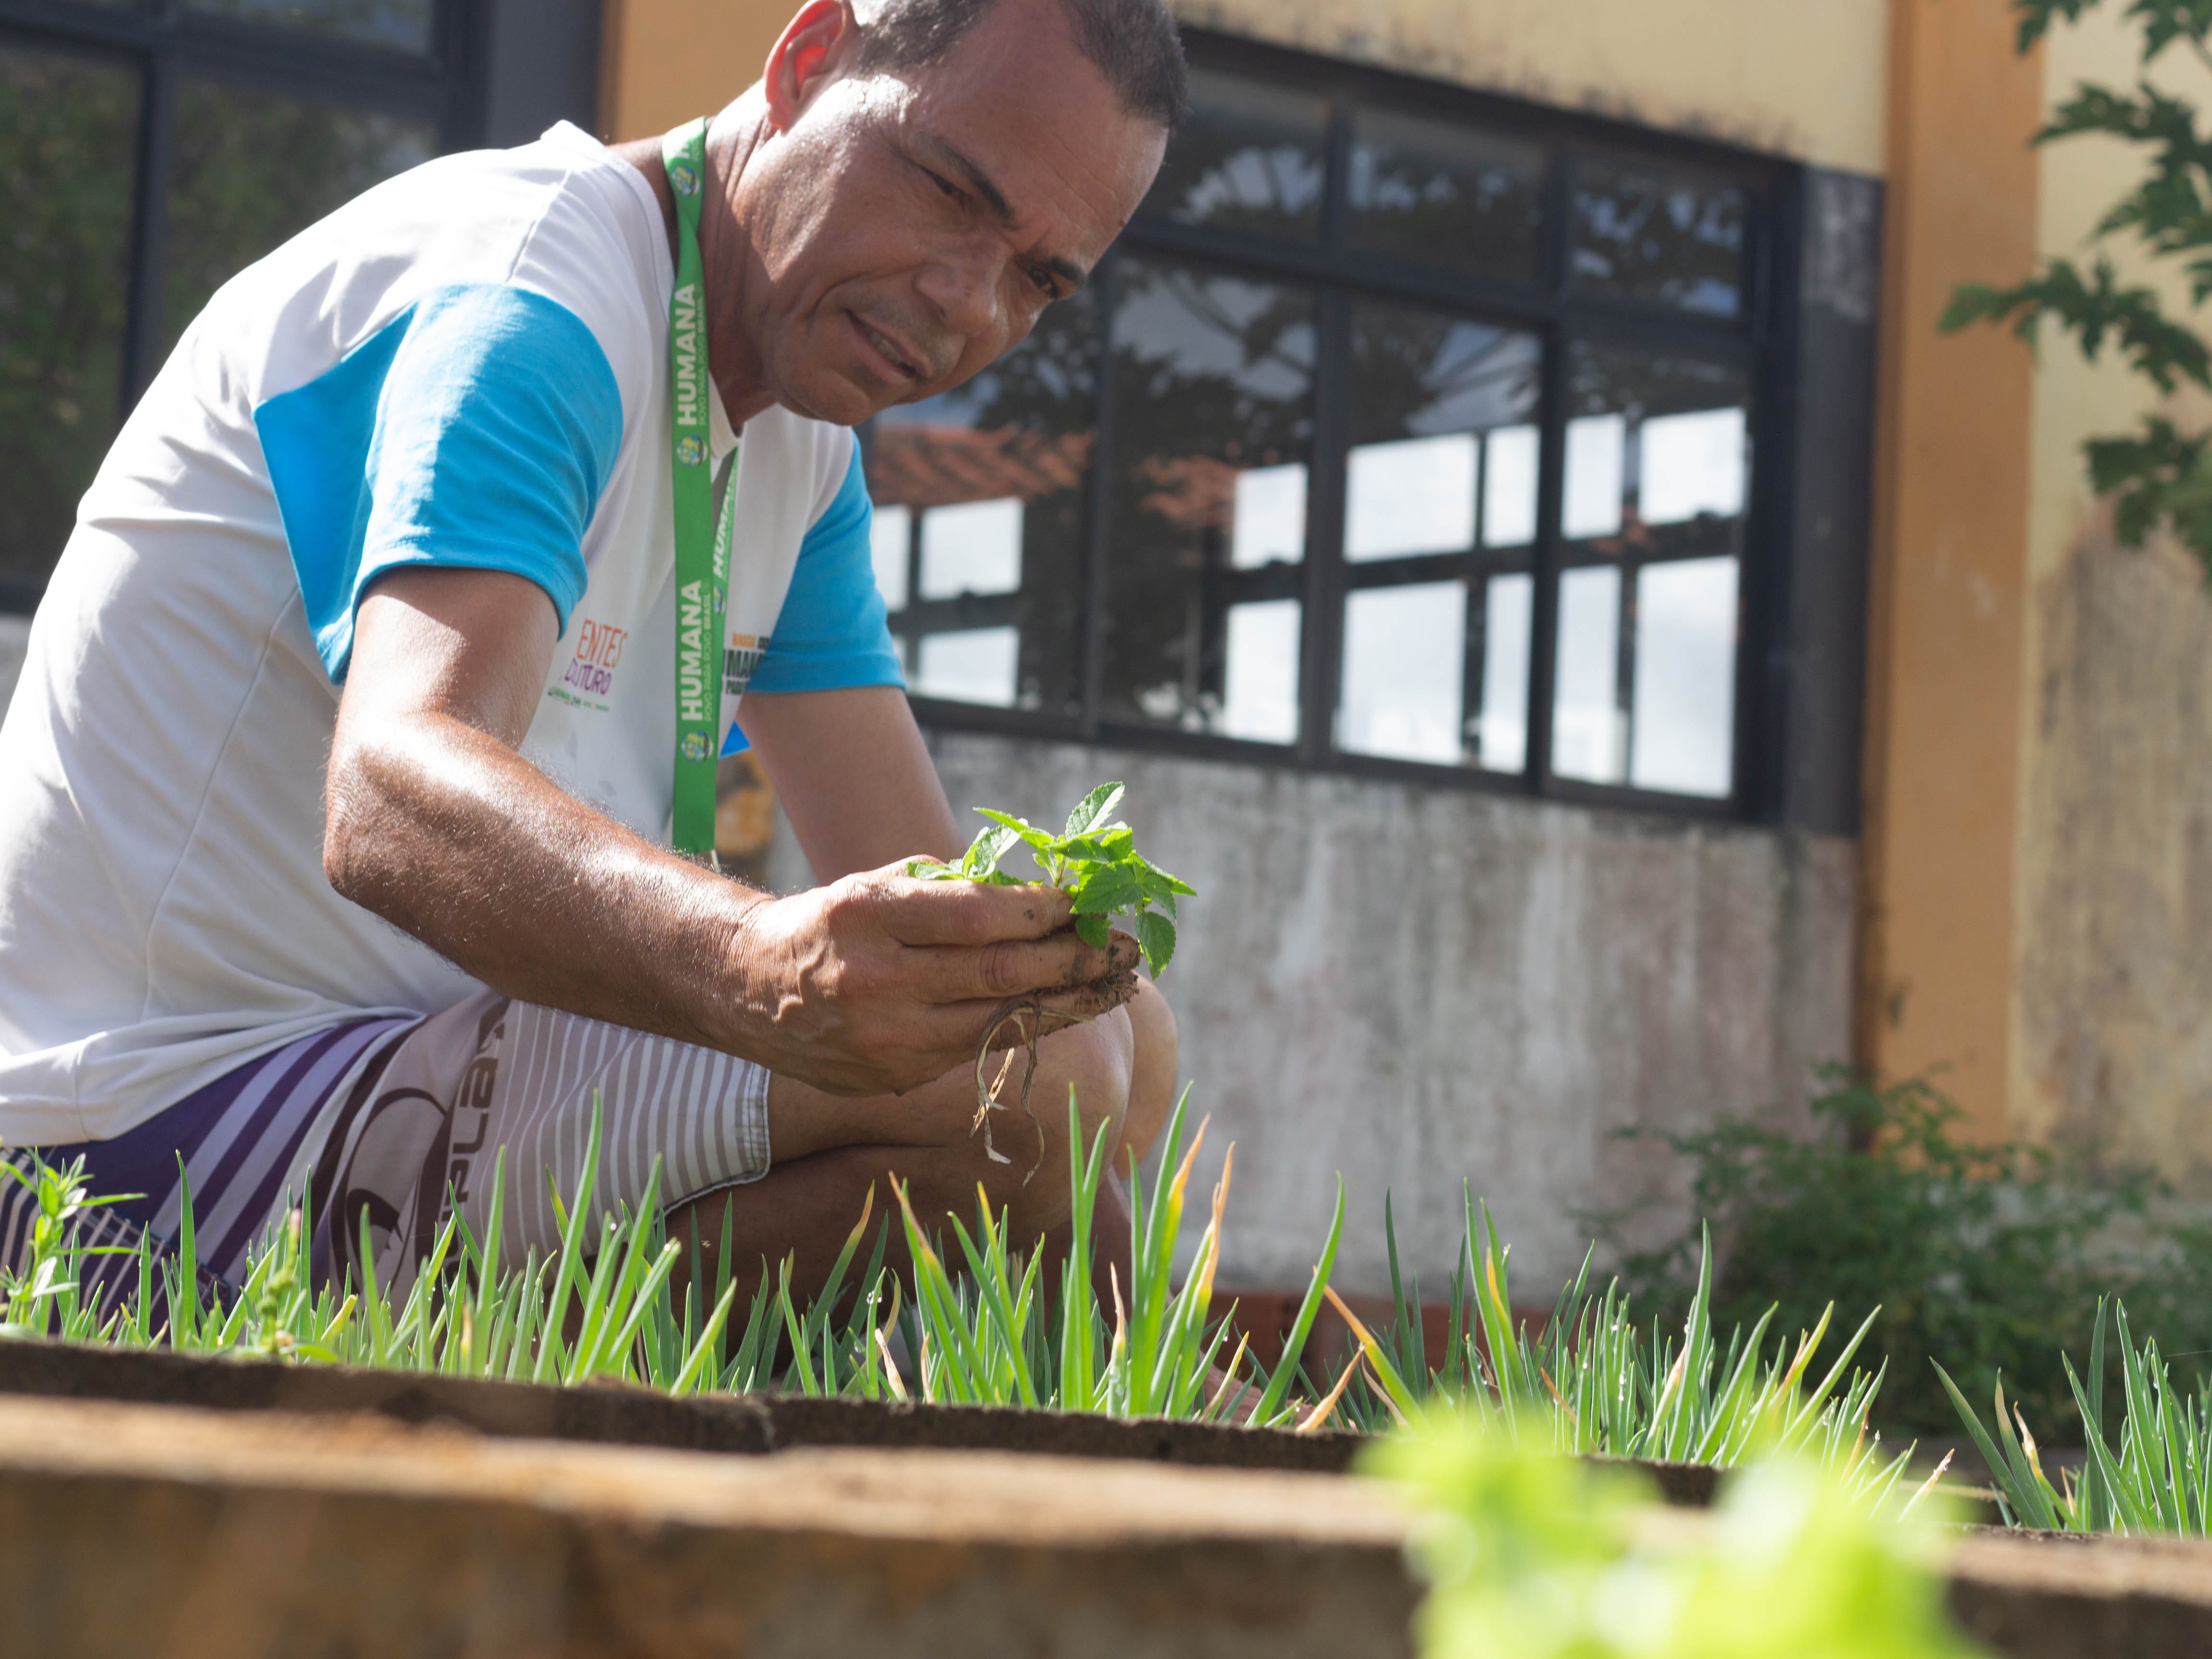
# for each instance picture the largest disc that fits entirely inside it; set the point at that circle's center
(812, 43)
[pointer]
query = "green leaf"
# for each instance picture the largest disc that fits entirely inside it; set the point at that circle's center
(1156, 937)
(1092, 809)
(931, 870)
(1103, 889)
(1092, 931)
(1107, 846)
(1021, 827)
(986, 850)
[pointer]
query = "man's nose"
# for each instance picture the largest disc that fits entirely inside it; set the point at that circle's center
(962, 284)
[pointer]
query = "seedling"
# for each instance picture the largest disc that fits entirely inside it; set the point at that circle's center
(1095, 863)
(1098, 866)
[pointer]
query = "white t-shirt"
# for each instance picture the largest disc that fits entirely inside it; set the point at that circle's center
(467, 366)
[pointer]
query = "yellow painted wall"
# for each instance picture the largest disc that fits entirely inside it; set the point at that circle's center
(2113, 1043)
(1799, 78)
(666, 60)
(1944, 681)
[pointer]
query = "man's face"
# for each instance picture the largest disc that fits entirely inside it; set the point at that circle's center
(907, 229)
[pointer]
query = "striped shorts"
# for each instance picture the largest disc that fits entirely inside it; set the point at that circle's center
(381, 1128)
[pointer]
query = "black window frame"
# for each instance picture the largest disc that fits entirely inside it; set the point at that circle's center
(1759, 340)
(488, 73)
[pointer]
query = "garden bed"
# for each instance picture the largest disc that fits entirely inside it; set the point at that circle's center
(248, 1533)
(746, 1424)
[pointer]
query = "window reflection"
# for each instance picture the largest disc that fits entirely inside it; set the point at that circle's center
(402, 24)
(253, 170)
(978, 535)
(1246, 156)
(970, 665)
(1508, 627)
(1589, 728)
(1657, 482)
(68, 137)
(1259, 672)
(1213, 389)
(1664, 235)
(1444, 193)
(1440, 509)
(1685, 699)
(1405, 665)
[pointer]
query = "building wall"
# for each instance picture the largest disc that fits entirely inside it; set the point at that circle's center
(1948, 589)
(2114, 884)
(1803, 78)
(1413, 986)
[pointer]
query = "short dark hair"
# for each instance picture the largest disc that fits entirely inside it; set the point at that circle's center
(1134, 43)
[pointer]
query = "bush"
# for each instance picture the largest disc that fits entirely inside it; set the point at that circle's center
(1989, 1258)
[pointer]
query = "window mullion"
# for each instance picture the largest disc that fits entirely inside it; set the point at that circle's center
(144, 333)
(1090, 641)
(1551, 481)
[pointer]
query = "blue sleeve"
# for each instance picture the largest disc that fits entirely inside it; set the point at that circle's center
(475, 429)
(832, 632)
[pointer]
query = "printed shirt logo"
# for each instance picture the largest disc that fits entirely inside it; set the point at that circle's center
(739, 660)
(590, 676)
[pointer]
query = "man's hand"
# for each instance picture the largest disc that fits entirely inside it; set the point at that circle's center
(878, 983)
(435, 823)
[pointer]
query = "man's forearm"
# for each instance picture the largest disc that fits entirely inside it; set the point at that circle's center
(451, 836)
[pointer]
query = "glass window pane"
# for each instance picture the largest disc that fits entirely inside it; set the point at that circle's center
(891, 550)
(1508, 486)
(1445, 194)
(971, 665)
(1661, 499)
(403, 25)
(1587, 727)
(1259, 679)
(1684, 735)
(1414, 495)
(1509, 613)
(971, 547)
(983, 488)
(1692, 465)
(68, 137)
(1267, 517)
(1597, 447)
(253, 171)
(1443, 462)
(1658, 453)
(1249, 156)
(1405, 665)
(1661, 234)
(1214, 417)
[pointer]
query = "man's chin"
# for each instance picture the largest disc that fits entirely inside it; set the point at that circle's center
(832, 397)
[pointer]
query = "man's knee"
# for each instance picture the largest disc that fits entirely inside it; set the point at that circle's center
(1154, 1068)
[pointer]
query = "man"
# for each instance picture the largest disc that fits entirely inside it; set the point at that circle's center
(334, 847)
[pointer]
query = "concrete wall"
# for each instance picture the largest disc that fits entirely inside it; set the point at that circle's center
(1416, 986)
(2114, 883)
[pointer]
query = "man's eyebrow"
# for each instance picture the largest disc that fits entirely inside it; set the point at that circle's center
(987, 190)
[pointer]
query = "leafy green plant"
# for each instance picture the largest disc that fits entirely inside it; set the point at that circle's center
(2159, 474)
(1531, 1555)
(2158, 1479)
(1094, 862)
(1988, 1256)
(985, 1324)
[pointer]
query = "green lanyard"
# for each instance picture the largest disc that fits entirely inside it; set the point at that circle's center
(703, 536)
